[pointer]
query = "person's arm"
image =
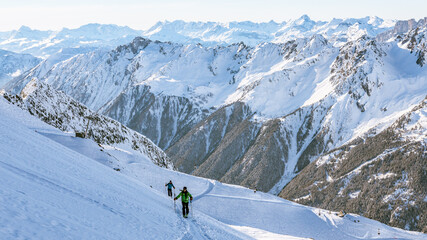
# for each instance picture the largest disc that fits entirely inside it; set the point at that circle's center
(179, 195)
(191, 197)
(173, 186)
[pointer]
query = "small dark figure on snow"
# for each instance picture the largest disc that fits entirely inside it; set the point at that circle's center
(185, 198)
(170, 186)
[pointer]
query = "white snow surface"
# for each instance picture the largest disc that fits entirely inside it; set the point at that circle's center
(55, 186)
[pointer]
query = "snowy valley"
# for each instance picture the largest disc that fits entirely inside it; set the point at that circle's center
(326, 114)
(56, 185)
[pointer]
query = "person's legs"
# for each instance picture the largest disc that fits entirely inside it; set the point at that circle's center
(185, 208)
(169, 192)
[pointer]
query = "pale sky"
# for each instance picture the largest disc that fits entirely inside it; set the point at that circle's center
(141, 14)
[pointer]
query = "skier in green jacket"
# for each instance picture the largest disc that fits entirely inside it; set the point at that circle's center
(185, 197)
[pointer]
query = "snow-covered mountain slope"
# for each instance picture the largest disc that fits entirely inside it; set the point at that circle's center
(169, 87)
(66, 114)
(381, 175)
(254, 116)
(337, 31)
(56, 185)
(14, 64)
(46, 43)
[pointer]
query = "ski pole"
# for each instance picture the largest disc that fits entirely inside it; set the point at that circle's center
(174, 202)
(191, 209)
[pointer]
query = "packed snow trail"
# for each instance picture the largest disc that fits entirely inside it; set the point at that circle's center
(55, 186)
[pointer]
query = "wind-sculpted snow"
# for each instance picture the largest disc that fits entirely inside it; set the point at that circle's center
(66, 114)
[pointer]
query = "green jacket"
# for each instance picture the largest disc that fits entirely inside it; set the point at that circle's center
(185, 197)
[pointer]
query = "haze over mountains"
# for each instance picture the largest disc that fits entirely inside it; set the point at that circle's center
(262, 105)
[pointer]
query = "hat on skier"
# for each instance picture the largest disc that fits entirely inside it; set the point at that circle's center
(185, 188)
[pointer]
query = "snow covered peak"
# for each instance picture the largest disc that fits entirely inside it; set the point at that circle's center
(212, 33)
(304, 23)
(26, 33)
(95, 31)
(46, 43)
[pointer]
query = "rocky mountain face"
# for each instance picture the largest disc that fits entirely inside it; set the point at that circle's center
(402, 27)
(381, 175)
(257, 116)
(14, 64)
(61, 111)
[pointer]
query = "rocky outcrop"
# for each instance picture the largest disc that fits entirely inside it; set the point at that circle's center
(61, 111)
(401, 27)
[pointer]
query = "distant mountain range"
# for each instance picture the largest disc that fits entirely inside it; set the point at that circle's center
(14, 64)
(85, 38)
(56, 46)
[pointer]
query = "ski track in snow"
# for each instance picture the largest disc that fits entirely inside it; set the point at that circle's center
(207, 191)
